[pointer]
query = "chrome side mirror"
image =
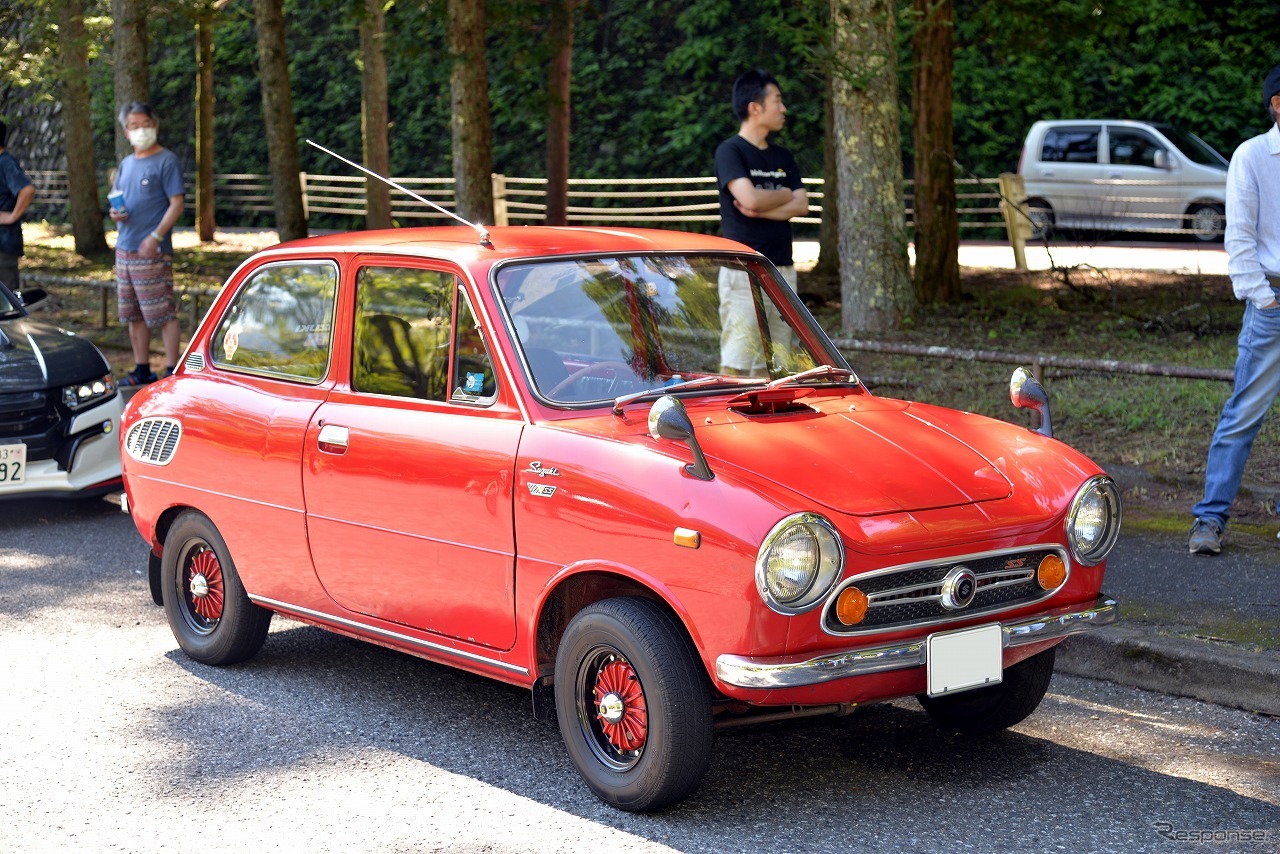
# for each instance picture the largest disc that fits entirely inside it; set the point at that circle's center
(668, 419)
(1161, 159)
(1025, 392)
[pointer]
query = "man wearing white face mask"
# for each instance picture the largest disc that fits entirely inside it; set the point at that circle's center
(146, 201)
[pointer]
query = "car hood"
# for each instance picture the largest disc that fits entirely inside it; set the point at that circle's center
(880, 460)
(37, 356)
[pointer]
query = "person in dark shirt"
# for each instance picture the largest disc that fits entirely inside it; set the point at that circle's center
(16, 191)
(760, 191)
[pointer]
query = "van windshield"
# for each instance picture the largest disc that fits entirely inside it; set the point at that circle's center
(1193, 147)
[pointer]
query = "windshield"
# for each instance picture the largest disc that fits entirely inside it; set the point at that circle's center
(594, 329)
(1195, 148)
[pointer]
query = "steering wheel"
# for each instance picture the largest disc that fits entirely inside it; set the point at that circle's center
(588, 371)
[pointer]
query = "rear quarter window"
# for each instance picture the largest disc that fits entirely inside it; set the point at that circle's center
(280, 324)
(1070, 145)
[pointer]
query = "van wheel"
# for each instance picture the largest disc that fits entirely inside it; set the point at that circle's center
(1042, 219)
(1206, 222)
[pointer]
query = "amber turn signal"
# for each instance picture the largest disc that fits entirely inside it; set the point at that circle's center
(1052, 572)
(851, 606)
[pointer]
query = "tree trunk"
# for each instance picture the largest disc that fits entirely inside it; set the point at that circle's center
(375, 115)
(472, 132)
(132, 79)
(559, 75)
(826, 272)
(277, 113)
(875, 282)
(937, 274)
(205, 222)
(77, 128)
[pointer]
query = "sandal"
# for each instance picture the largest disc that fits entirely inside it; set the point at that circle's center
(133, 379)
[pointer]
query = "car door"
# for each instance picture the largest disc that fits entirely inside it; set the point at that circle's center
(1066, 171)
(1143, 194)
(408, 466)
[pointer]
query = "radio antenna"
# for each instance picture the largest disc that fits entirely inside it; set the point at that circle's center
(484, 235)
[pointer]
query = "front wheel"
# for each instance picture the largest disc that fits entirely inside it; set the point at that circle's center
(1042, 219)
(986, 710)
(633, 704)
(208, 610)
(1206, 222)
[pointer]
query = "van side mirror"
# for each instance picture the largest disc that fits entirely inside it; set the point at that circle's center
(1161, 159)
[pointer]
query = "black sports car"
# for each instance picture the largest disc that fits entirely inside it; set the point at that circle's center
(59, 408)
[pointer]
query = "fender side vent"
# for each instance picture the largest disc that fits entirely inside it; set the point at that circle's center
(194, 362)
(153, 440)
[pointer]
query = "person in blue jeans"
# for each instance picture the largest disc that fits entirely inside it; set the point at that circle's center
(1252, 241)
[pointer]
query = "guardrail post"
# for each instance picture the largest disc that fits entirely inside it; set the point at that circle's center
(500, 216)
(306, 201)
(1016, 221)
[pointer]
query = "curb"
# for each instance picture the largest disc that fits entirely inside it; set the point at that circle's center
(1177, 666)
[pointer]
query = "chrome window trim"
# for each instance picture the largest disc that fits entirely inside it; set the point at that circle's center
(954, 560)
(773, 673)
(321, 616)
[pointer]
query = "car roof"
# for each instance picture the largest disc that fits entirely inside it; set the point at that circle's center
(462, 244)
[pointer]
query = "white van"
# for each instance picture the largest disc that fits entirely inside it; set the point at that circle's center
(1116, 175)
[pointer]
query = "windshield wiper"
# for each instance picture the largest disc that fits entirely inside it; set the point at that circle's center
(658, 391)
(819, 371)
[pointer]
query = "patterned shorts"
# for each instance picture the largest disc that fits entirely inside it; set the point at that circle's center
(144, 288)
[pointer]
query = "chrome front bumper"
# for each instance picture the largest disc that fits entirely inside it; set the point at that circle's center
(747, 672)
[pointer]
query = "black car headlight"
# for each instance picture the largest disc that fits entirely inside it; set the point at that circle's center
(1093, 523)
(798, 564)
(80, 395)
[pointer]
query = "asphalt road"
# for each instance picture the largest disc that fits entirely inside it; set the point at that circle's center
(111, 740)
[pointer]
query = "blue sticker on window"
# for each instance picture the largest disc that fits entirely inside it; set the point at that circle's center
(475, 382)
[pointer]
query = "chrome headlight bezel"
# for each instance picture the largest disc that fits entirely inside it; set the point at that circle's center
(89, 393)
(1099, 495)
(816, 581)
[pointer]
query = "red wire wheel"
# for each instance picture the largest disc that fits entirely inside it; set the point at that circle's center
(612, 708)
(203, 589)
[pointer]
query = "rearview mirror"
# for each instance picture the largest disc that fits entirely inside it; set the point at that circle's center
(1025, 392)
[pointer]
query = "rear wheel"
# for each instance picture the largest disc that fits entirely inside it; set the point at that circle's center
(633, 704)
(1042, 218)
(208, 610)
(985, 710)
(1206, 222)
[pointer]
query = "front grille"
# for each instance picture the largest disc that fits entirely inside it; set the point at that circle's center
(909, 596)
(153, 440)
(34, 418)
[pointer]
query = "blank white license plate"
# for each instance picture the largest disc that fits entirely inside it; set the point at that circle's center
(13, 464)
(964, 659)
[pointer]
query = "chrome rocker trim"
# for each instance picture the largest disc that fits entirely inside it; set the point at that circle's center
(747, 672)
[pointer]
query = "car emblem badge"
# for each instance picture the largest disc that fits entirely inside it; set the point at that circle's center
(541, 490)
(959, 588)
(537, 468)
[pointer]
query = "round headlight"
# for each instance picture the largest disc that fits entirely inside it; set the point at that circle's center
(800, 561)
(1093, 524)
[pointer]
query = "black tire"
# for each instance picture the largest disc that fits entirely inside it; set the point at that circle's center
(986, 710)
(654, 747)
(1206, 222)
(208, 610)
(1042, 218)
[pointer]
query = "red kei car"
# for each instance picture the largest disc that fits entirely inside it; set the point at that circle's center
(624, 469)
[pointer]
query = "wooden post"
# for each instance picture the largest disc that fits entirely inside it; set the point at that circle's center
(1017, 223)
(500, 216)
(306, 202)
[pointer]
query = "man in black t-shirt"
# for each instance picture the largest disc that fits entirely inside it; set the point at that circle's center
(760, 191)
(16, 192)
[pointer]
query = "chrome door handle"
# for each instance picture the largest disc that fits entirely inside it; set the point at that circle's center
(333, 439)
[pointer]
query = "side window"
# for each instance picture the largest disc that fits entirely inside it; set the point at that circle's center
(1071, 145)
(1129, 147)
(404, 338)
(281, 322)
